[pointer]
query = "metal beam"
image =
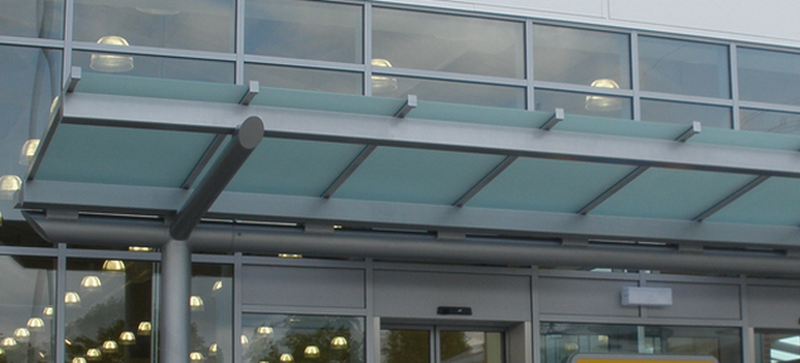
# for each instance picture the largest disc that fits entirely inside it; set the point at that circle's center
(204, 160)
(613, 190)
(118, 199)
(362, 156)
(428, 134)
(245, 139)
(731, 198)
(485, 181)
(264, 240)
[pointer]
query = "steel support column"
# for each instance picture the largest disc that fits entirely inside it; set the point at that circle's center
(176, 277)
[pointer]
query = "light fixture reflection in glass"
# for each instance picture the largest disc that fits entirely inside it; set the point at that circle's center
(603, 103)
(217, 286)
(286, 358)
(127, 338)
(9, 184)
(68, 342)
(144, 328)
(8, 343)
(94, 354)
(35, 323)
(91, 283)
(212, 350)
(311, 352)
(109, 346)
(382, 84)
(264, 330)
(28, 151)
(338, 343)
(48, 312)
(196, 303)
(196, 357)
(244, 340)
(2, 352)
(290, 255)
(139, 249)
(72, 299)
(111, 63)
(115, 266)
(79, 360)
(22, 335)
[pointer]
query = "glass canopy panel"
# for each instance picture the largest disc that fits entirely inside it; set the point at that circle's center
(768, 76)
(29, 81)
(762, 140)
(295, 167)
(325, 101)
(205, 25)
(439, 42)
(620, 127)
(304, 29)
(585, 57)
(449, 91)
(583, 104)
(672, 194)
(127, 156)
(417, 176)
(113, 84)
(27, 320)
(154, 67)
(549, 185)
(686, 113)
(684, 67)
(774, 202)
(305, 79)
(39, 19)
(767, 121)
(479, 114)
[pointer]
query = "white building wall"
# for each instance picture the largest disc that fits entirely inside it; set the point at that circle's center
(762, 21)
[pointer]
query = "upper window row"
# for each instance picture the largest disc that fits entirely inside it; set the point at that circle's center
(334, 32)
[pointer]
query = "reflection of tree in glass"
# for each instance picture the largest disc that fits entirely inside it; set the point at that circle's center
(453, 344)
(406, 346)
(296, 341)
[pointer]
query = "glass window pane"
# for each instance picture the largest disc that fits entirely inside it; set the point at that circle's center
(686, 113)
(447, 91)
(304, 29)
(769, 76)
(561, 340)
(302, 338)
(471, 346)
(583, 104)
(109, 310)
(212, 312)
(186, 24)
(305, 78)
(779, 122)
(690, 68)
(437, 42)
(774, 347)
(581, 57)
(156, 67)
(27, 323)
(405, 346)
(29, 81)
(25, 18)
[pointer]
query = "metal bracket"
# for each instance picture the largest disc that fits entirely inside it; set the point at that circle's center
(690, 248)
(558, 116)
(450, 235)
(316, 228)
(411, 103)
(694, 130)
(575, 242)
(74, 78)
(251, 93)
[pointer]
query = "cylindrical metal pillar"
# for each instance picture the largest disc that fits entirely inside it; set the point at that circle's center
(176, 278)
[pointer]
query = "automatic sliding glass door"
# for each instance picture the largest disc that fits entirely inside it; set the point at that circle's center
(435, 344)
